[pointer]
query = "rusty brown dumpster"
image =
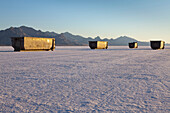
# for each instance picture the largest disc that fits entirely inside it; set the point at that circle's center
(98, 44)
(133, 45)
(157, 44)
(33, 44)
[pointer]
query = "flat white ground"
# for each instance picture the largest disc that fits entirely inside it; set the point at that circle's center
(78, 79)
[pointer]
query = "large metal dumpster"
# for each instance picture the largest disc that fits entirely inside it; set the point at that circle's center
(133, 45)
(33, 44)
(157, 44)
(98, 44)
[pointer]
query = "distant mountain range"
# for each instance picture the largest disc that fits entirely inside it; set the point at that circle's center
(63, 39)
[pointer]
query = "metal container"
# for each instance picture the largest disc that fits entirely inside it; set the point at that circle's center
(133, 45)
(98, 44)
(33, 44)
(157, 44)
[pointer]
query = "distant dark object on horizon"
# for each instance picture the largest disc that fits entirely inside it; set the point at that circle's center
(133, 45)
(98, 44)
(157, 44)
(33, 44)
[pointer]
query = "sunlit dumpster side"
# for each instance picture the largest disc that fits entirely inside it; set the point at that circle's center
(98, 44)
(157, 44)
(33, 44)
(133, 45)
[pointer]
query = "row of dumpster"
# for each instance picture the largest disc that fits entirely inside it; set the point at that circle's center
(47, 44)
(154, 44)
(104, 45)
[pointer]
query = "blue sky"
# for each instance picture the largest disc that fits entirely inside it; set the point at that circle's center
(141, 19)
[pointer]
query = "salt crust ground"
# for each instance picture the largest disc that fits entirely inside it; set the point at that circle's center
(77, 79)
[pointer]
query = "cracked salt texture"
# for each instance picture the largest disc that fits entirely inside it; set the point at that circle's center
(78, 79)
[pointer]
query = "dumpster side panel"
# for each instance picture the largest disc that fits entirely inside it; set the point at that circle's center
(17, 43)
(131, 45)
(32, 43)
(53, 44)
(155, 44)
(106, 45)
(93, 44)
(136, 45)
(162, 45)
(102, 45)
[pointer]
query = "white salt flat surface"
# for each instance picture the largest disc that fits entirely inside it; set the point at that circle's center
(78, 79)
